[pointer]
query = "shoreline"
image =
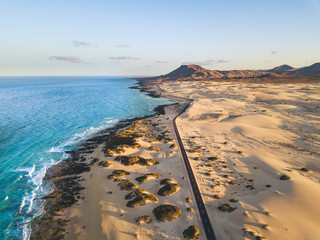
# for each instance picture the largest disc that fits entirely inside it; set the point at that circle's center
(240, 138)
(65, 176)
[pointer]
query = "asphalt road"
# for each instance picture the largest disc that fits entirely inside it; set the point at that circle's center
(201, 207)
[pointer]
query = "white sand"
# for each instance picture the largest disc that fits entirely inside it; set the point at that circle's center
(277, 129)
(101, 215)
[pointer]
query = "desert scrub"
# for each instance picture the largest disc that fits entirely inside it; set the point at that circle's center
(304, 169)
(173, 145)
(284, 177)
(190, 209)
(166, 181)
(197, 159)
(126, 184)
(144, 219)
(195, 150)
(188, 199)
(166, 212)
(105, 164)
(213, 158)
(117, 142)
(191, 233)
(118, 174)
(147, 177)
(140, 197)
(233, 182)
(226, 208)
(208, 174)
(216, 196)
(132, 160)
(153, 148)
(169, 189)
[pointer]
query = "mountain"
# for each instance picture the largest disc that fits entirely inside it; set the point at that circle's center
(188, 72)
(281, 69)
(314, 69)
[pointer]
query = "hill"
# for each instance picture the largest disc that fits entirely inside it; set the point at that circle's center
(187, 72)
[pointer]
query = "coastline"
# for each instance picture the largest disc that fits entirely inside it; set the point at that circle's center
(241, 139)
(66, 178)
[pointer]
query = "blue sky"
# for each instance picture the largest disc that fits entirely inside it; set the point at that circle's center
(138, 37)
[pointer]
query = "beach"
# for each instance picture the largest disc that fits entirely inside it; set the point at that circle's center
(240, 138)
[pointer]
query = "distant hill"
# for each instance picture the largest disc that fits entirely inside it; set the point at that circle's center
(197, 72)
(278, 74)
(281, 69)
(313, 70)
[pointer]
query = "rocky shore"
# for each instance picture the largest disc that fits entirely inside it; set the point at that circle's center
(66, 180)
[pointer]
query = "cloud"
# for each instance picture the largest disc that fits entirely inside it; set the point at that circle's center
(76, 43)
(222, 61)
(122, 46)
(210, 62)
(124, 58)
(273, 52)
(161, 62)
(66, 58)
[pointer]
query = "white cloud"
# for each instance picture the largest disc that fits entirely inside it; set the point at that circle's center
(66, 58)
(124, 58)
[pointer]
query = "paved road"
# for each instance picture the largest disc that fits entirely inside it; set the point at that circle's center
(202, 209)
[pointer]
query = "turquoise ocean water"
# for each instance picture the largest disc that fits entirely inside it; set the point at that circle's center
(40, 118)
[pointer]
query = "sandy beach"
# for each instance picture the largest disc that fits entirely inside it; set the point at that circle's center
(254, 149)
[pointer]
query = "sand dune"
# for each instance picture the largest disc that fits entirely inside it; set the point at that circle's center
(259, 133)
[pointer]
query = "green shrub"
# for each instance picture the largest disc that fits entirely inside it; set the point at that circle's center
(226, 208)
(140, 198)
(169, 189)
(118, 174)
(132, 160)
(284, 177)
(126, 184)
(190, 209)
(105, 164)
(191, 233)
(166, 181)
(118, 141)
(304, 169)
(144, 219)
(153, 148)
(146, 177)
(166, 212)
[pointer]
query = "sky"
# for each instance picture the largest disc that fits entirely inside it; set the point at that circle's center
(151, 37)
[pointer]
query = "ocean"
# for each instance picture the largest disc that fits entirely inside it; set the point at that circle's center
(41, 118)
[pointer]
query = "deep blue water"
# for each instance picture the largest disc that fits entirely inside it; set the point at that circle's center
(40, 118)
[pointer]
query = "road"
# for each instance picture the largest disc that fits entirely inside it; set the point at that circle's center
(201, 207)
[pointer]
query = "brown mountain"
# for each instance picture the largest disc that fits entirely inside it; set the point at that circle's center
(188, 72)
(281, 69)
(314, 69)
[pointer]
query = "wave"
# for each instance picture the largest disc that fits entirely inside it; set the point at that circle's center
(79, 137)
(23, 203)
(36, 176)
